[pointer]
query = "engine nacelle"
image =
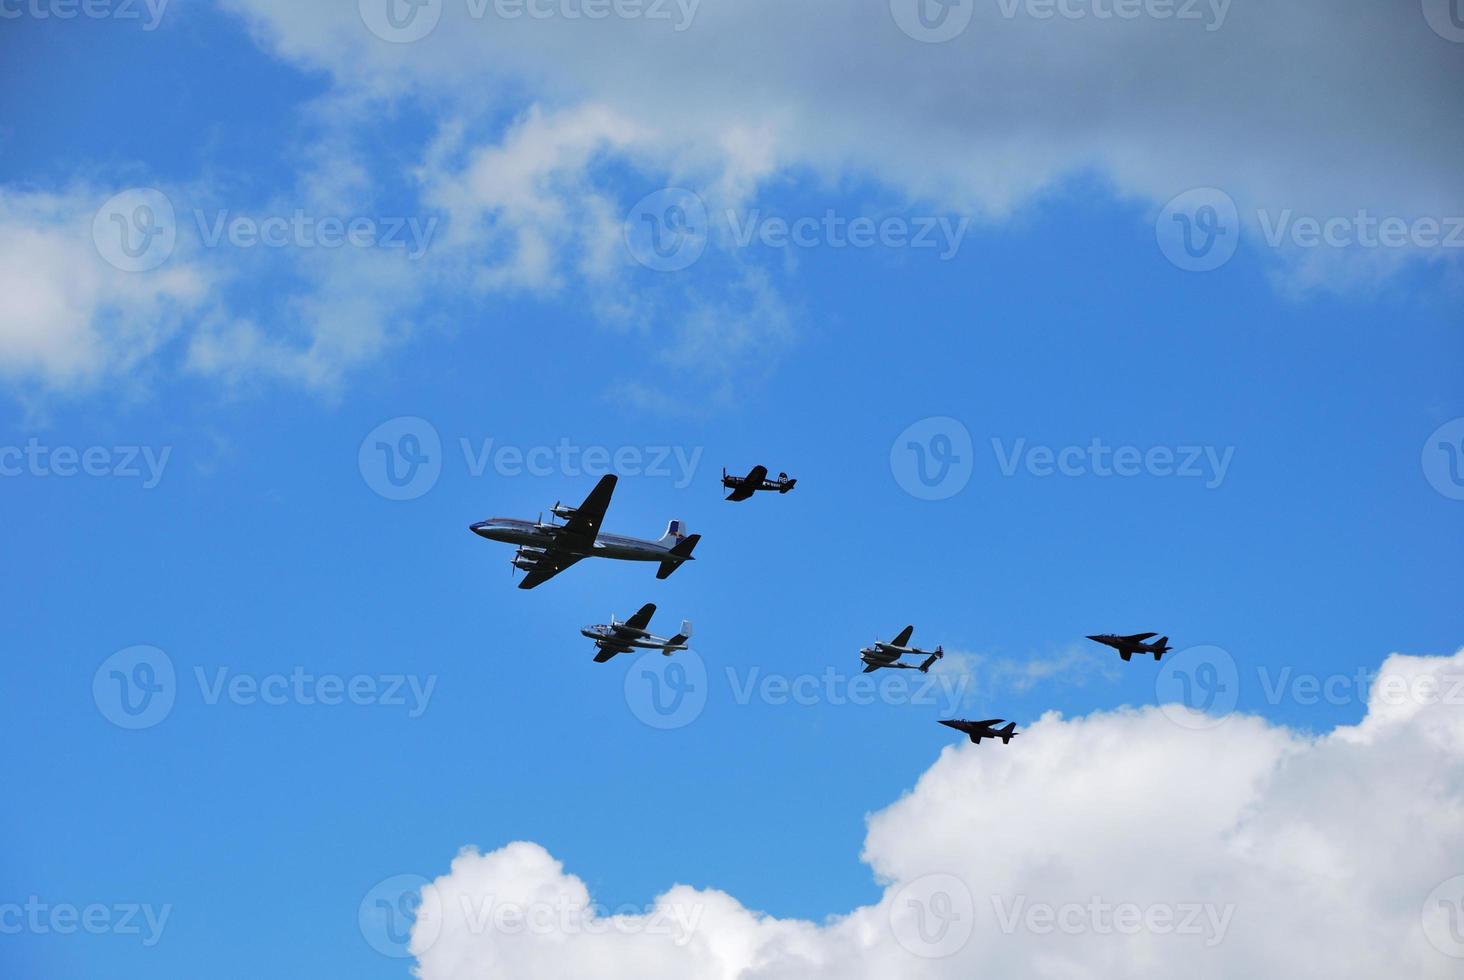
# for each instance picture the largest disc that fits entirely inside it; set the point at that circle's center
(562, 512)
(524, 564)
(533, 554)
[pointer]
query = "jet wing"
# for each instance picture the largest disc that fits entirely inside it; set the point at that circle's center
(583, 526)
(606, 652)
(904, 637)
(641, 619)
(1140, 637)
(547, 567)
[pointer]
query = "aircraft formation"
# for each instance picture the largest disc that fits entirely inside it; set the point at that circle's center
(572, 534)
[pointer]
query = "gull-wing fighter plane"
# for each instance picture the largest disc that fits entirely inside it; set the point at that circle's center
(617, 637)
(1127, 646)
(546, 549)
(888, 654)
(984, 729)
(743, 487)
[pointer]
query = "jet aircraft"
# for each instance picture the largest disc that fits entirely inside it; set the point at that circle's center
(617, 637)
(1127, 646)
(743, 487)
(888, 654)
(984, 729)
(546, 549)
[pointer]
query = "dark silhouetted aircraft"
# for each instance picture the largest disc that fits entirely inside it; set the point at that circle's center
(984, 729)
(617, 637)
(1127, 646)
(743, 487)
(889, 654)
(546, 549)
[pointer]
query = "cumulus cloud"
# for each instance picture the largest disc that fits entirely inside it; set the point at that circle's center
(1312, 107)
(67, 314)
(1120, 844)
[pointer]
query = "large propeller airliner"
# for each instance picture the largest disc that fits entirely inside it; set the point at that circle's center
(546, 548)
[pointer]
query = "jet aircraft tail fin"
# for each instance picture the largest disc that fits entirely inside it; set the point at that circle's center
(680, 638)
(675, 532)
(681, 552)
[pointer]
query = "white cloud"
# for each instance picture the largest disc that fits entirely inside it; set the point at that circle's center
(1119, 844)
(1314, 106)
(67, 315)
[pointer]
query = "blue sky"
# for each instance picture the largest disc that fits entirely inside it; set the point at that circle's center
(263, 549)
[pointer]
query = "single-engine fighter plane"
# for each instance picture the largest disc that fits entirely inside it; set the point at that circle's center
(985, 729)
(617, 637)
(743, 487)
(1127, 646)
(546, 549)
(889, 654)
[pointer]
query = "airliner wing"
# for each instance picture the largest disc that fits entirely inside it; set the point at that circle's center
(584, 526)
(547, 567)
(642, 617)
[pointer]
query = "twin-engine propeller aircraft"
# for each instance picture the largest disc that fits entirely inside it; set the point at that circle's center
(743, 487)
(984, 729)
(617, 637)
(1127, 646)
(889, 654)
(546, 549)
